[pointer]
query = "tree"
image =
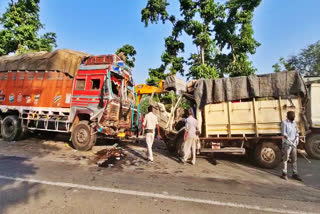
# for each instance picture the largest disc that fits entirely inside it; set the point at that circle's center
(282, 64)
(21, 25)
(222, 33)
(307, 62)
(129, 52)
(235, 33)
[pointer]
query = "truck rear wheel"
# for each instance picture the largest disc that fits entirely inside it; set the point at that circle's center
(268, 155)
(312, 146)
(82, 139)
(11, 128)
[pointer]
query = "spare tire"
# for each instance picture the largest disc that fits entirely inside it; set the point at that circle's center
(11, 129)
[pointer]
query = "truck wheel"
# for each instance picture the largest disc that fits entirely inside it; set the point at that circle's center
(312, 146)
(268, 155)
(82, 139)
(11, 128)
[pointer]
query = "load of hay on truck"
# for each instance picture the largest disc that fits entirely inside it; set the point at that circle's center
(66, 91)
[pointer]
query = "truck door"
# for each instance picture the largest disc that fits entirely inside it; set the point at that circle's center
(93, 88)
(87, 90)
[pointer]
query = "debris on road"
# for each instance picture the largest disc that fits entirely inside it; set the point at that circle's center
(109, 157)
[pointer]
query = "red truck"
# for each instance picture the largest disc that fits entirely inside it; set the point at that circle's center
(69, 92)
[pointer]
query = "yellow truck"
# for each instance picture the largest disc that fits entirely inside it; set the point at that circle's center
(242, 115)
(252, 126)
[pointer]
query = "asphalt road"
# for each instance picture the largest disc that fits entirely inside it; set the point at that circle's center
(40, 177)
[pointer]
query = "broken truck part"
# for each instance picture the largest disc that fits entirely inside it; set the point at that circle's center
(67, 91)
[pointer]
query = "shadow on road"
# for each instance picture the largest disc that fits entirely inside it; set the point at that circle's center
(17, 165)
(309, 172)
(13, 193)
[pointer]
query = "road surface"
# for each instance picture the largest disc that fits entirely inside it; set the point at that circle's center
(40, 176)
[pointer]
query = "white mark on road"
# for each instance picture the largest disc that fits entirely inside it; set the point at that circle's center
(154, 195)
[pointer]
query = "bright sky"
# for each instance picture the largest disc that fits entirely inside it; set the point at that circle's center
(283, 27)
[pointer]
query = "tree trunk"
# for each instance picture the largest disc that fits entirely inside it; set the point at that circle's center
(202, 54)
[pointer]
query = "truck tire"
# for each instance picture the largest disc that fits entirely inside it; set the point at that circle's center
(312, 146)
(267, 155)
(82, 139)
(11, 129)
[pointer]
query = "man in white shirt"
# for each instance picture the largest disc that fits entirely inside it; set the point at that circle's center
(149, 124)
(190, 138)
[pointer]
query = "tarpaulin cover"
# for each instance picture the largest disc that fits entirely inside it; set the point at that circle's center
(282, 84)
(173, 82)
(67, 61)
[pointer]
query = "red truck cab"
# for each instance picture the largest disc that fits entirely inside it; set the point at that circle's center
(103, 93)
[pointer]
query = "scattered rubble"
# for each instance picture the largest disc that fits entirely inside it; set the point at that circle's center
(109, 157)
(118, 157)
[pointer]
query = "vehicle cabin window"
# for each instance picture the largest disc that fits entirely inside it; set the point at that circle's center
(80, 84)
(95, 84)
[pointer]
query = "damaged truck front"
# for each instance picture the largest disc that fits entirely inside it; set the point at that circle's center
(69, 92)
(241, 115)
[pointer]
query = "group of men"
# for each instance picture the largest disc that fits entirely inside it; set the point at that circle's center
(150, 123)
(289, 129)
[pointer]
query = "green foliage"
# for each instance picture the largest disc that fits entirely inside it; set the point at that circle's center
(277, 67)
(154, 11)
(307, 62)
(129, 52)
(185, 104)
(283, 64)
(203, 71)
(144, 103)
(155, 75)
(21, 25)
(235, 33)
(222, 32)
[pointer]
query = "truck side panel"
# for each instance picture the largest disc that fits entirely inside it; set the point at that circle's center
(35, 89)
(249, 118)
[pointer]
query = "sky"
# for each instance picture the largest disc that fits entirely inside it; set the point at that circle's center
(283, 27)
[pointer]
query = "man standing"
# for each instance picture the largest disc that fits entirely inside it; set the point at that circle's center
(190, 138)
(290, 142)
(149, 124)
